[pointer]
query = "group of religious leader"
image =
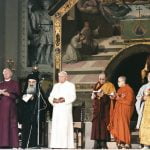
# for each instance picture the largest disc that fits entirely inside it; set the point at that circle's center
(9, 91)
(62, 96)
(120, 124)
(102, 107)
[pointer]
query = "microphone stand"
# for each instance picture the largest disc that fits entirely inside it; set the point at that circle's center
(38, 114)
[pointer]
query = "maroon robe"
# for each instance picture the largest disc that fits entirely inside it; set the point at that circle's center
(8, 115)
(101, 116)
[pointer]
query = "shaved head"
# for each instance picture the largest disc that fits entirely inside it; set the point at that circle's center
(121, 81)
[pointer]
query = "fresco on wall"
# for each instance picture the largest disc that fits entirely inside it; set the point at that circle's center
(40, 33)
(99, 26)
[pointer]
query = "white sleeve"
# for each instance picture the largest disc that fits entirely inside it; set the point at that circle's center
(139, 99)
(52, 94)
(70, 97)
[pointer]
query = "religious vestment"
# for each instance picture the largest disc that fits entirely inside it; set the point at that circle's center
(140, 103)
(28, 112)
(8, 115)
(145, 124)
(28, 120)
(120, 124)
(101, 112)
(62, 121)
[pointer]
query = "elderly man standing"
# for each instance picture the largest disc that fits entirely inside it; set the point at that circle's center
(29, 112)
(102, 107)
(9, 91)
(120, 123)
(62, 96)
(32, 111)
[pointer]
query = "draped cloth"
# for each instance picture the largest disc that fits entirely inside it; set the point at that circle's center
(8, 115)
(120, 124)
(145, 124)
(101, 112)
(140, 103)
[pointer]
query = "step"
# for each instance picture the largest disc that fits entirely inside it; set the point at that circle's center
(84, 79)
(100, 55)
(112, 145)
(109, 49)
(85, 67)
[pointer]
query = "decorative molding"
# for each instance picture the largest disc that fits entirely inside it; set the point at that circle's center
(58, 30)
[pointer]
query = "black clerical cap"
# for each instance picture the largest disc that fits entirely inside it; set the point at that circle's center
(33, 76)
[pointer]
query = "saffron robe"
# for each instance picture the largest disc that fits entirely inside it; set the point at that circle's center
(145, 124)
(8, 115)
(62, 121)
(101, 112)
(120, 123)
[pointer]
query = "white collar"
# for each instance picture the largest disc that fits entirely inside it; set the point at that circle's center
(7, 80)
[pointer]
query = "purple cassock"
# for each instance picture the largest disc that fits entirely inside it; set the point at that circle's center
(8, 115)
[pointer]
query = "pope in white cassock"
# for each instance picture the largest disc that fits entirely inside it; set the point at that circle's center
(62, 96)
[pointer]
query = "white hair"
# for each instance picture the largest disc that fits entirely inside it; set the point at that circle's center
(64, 73)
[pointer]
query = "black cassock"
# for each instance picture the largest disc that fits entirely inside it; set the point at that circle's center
(28, 117)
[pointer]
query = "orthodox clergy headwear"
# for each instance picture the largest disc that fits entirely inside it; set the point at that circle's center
(33, 76)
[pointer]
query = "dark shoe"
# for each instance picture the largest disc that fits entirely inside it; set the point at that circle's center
(96, 145)
(103, 145)
(127, 146)
(119, 146)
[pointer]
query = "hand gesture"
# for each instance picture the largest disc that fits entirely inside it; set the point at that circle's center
(61, 100)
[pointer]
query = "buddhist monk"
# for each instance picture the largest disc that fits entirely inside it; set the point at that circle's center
(124, 106)
(9, 91)
(101, 111)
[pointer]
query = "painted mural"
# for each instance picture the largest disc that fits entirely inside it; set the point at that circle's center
(95, 30)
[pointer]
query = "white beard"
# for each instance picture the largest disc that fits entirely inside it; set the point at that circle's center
(31, 89)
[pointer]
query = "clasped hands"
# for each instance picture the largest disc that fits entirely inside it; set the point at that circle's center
(117, 96)
(4, 92)
(59, 100)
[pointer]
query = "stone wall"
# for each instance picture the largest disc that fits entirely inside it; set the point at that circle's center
(2, 27)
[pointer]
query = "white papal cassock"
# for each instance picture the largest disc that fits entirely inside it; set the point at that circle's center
(62, 122)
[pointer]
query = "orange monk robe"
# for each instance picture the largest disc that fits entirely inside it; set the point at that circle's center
(120, 123)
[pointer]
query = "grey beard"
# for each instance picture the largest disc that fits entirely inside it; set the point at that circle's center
(31, 90)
